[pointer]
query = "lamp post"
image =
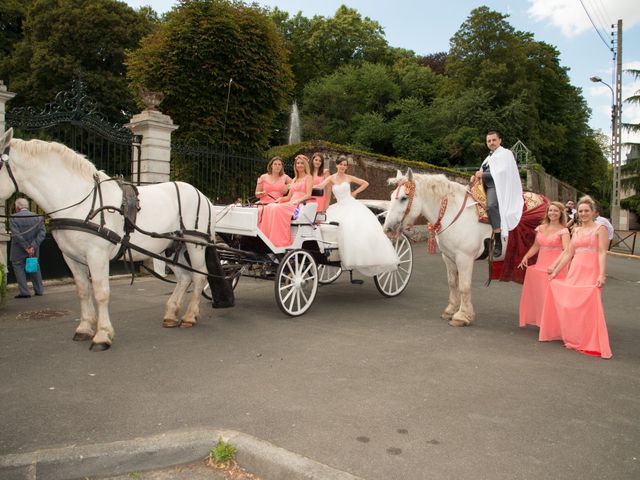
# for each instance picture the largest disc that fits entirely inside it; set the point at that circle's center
(615, 155)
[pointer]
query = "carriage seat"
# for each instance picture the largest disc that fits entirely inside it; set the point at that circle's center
(306, 215)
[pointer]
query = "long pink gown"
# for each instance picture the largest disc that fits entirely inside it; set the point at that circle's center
(275, 218)
(322, 200)
(273, 190)
(536, 279)
(573, 309)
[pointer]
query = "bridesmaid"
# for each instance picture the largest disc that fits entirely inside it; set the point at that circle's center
(573, 309)
(273, 184)
(552, 238)
(319, 175)
(275, 221)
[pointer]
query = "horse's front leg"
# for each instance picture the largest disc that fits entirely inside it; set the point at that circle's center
(88, 320)
(191, 315)
(465, 315)
(454, 294)
(98, 263)
(172, 307)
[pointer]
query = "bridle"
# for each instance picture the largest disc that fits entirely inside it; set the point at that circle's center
(4, 161)
(410, 190)
(433, 228)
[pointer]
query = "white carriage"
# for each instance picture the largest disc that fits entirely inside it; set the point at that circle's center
(313, 257)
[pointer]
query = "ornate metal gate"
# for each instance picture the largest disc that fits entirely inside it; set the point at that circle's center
(74, 120)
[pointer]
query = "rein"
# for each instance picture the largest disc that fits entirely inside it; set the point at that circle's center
(87, 226)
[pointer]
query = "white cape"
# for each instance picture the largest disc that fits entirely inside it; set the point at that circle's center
(506, 177)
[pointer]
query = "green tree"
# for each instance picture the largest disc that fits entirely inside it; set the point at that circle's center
(530, 94)
(12, 14)
(62, 37)
(630, 178)
(331, 103)
(204, 47)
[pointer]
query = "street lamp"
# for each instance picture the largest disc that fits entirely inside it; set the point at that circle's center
(615, 154)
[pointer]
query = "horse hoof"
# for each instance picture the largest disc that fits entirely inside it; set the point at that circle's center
(184, 324)
(458, 323)
(100, 347)
(82, 337)
(168, 323)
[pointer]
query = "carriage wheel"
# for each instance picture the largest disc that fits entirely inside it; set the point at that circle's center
(393, 283)
(296, 282)
(328, 274)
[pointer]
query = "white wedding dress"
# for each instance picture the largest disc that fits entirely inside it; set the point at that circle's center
(362, 243)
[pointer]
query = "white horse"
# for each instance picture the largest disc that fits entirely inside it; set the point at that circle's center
(461, 236)
(66, 185)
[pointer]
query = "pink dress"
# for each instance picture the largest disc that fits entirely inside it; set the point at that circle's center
(573, 309)
(275, 218)
(273, 190)
(322, 200)
(536, 279)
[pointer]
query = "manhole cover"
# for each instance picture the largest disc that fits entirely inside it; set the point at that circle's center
(42, 314)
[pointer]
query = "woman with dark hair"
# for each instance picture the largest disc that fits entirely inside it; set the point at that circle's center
(273, 184)
(319, 174)
(573, 309)
(552, 237)
(276, 217)
(362, 243)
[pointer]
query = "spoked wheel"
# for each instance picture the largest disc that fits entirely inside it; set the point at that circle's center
(393, 283)
(328, 274)
(296, 282)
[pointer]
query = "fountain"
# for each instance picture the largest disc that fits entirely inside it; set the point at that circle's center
(294, 125)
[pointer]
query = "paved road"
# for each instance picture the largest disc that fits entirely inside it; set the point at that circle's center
(381, 388)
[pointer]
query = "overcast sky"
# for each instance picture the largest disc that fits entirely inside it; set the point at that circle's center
(425, 26)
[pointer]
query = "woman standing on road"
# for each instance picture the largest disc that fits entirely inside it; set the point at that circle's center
(573, 309)
(552, 238)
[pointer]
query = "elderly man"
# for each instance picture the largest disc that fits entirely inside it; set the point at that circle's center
(501, 178)
(27, 233)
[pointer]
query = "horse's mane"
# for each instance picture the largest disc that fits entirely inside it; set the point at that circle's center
(33, 151)
(433, 185)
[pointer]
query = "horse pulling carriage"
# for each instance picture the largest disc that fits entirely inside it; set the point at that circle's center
(92, 225)
(312, 258)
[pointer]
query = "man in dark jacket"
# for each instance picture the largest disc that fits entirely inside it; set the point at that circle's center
(27, 233)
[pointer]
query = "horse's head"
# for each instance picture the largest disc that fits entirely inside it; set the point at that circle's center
(404, 207)
(7, 184)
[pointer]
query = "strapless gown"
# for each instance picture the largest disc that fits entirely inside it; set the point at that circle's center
(573, 309)
(362, 243)
(536, 279)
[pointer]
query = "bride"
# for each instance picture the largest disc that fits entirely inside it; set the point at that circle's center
(361, 240)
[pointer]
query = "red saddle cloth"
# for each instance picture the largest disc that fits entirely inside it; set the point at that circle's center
(520, 239)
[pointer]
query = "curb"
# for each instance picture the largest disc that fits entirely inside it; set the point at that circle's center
(161, 451)
(623, 255)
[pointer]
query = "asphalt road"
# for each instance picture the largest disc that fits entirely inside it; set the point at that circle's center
(381, 388)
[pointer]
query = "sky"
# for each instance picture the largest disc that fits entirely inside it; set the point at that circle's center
(425, 26)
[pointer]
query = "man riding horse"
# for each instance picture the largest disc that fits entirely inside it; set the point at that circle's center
(503, 188)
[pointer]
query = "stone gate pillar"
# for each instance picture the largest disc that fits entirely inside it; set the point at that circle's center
(5, 96)
(155, 155)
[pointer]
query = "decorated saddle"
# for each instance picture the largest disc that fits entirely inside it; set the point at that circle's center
(520, 238)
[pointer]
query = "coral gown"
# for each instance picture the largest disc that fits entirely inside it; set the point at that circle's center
(275, 218)
(536, 279)
(323, 200)
(362, 243)
(573, 309)
(273, 190)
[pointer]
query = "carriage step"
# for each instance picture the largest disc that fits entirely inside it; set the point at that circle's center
(354, 281)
